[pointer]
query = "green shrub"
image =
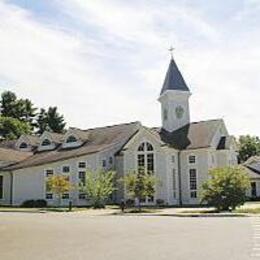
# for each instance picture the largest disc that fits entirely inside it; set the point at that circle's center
(226, 189)
(40, 203)
(130, 203)
(160, 202)
(34, 204)
(28, 204)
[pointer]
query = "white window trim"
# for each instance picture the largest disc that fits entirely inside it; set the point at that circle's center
(196, 182)
(45, 180)
(81, 161)
(145, 165)
(188, 159)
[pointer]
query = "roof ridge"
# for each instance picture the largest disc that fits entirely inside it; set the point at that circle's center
(108, 126)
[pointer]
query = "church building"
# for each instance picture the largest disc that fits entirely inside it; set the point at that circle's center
(180, 154)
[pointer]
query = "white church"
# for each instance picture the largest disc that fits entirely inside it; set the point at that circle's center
(180, 154)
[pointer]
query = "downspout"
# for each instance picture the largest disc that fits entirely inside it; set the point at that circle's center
(179, 178)
(11, 187)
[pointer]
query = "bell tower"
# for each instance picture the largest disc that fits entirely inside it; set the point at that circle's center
(174, 99)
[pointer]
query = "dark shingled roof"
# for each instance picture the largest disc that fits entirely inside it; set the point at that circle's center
(98, 140)
(174, 79)
(192, 136)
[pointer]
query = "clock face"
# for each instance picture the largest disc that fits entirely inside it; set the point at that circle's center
(179, 111)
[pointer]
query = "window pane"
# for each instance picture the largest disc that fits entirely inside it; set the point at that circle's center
(193, 179)
(49, 173)
(49, 196)
(192, 159)
(46, 142)
(71, 139)
(140, 162)
(82, 196)
(82, 178)
(82, 165)
(23, 145)
(65, 169)
(150, 162)
(141, 147)
(174, 179)
(149, 147)
(65, 196)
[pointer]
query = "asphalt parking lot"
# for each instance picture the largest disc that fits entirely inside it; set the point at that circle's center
(26, 236)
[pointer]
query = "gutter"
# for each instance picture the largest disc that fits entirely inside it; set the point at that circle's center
(179, 178)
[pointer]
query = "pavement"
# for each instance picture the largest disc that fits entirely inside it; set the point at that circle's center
(26, 236)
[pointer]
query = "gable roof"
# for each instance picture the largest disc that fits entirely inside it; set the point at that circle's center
(98, 139)
(191, 136)
(173, 79)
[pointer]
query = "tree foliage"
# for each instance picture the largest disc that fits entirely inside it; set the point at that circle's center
(226, 189)
(59, 184)
(24, 111)
(50, 120)
(140, 185)
(21, 109)
(12, 128)
(248, 146)
(99, 186)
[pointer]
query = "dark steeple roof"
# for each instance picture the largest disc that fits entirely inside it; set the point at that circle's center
(174, 79)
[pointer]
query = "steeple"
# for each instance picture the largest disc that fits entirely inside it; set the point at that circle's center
(174, 79)
(174, 99)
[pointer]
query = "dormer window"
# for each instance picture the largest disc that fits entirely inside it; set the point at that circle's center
(23, 145)
(71, 139)
(46, 142)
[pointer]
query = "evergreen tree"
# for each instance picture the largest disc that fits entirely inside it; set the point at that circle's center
(50, 120)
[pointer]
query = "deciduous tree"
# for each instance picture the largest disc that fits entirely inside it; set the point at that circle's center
(226, 188)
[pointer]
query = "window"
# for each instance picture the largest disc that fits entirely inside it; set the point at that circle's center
(46, 142)
(104, 163)
(173, 159)
(253, 189)
(82, 165)
(49, 196)
(23, 145)
(145, 157)
(65, 169)
(1, 187)
(65, 196)
(193, 183)
(165, 114)
(82, 178)
(49, 173)
(71, 139)
(192, 159)
(82, 196)
(150, 164)
(174, 186)
(110, 160)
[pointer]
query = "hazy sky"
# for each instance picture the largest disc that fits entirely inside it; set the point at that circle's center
(103, 62)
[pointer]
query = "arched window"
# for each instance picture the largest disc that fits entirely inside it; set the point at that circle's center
(23, 145)
(145, 157)
(71, 139)
(46, 142)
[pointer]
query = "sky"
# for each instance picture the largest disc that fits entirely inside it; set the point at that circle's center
(103, 62)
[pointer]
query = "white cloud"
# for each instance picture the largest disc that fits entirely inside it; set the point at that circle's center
(110, 68)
